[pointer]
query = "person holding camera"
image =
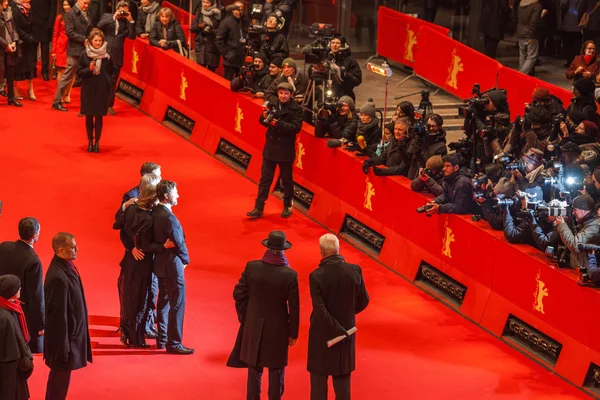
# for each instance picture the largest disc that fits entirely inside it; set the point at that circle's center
(205, 25)
(350, 75)
(492, 124)
(457, 196)
(341, 123)
(256, 74)
(593, 271)
(422, 147)
(265, 81)
(230, 40)
(283, 121)
(429, 177)
(490, 210)
(396, 158)
(116, 29)
(290, 74)
(587, 229)
(543, 231)
(274, 43)
(542, 98)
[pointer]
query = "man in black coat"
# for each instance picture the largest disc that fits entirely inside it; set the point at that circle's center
(268, 307)
(457, 197)
(168, 267)
(350, 75)
(43, 13)
(229, 40)
(283, 124)
(117, 28)
(338, 293)
(67, 345)
(77, 25)
(495, 16)
(18, 258)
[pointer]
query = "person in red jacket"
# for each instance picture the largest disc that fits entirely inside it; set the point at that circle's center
(584, 65)
(59, 47)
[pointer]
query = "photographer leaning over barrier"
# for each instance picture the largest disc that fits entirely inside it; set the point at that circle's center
(543, 230)
(583, 99)
(251, 82)
(431, 143)
(491, 212)
(457, 196)
(350, 72)
(430, 177)
(339, 123)
(587, 229)
(395, 158)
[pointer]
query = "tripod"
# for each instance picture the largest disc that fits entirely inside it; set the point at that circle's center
(425, 106)
(319, 80)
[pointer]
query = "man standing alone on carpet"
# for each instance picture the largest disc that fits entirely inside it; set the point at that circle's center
(338, 293)
(168, 268)
(268, 307)
(18, 258)
(67, 346)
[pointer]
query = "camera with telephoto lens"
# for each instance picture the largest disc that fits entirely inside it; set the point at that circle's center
(474, 105)
(331, 104)
(423, 209)
(318, 51)
(518, 165)
(583, 270)
(478, 181)
(419, 129)
(560, 255)
(270, 110)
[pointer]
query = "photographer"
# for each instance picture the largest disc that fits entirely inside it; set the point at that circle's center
(457, 197)
(543, 231)
(432, 143)
(283, 120)
(274, 43)
(428, 182)
(587, 229)
(535, 174)
(572, 121)
(542, 98)
(368, 126)
(583, 99)
(593, 271)
(491, 212)
(230, 40)
(250, 81)
(395, 158)
(536, 129)
(289, 75)
(205, 24)
(350, 72)
(586, 132)
(492, 124)
(341, 124)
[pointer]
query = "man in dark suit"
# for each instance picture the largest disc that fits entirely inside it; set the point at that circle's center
(168, 268)
(283, 125)
(116, 29)
(268, 307)
(67, 346)
(338, 293)
(43, 14)
(18, 258)
(77, 26)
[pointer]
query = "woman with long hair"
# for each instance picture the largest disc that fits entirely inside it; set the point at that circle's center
(26, 68)
(94, 70)
(167, 33)
(8, 50)
(59, 47)
(205, 23)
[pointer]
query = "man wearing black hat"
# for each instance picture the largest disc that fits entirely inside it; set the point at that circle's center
(267, 79)
(268, 308)
(338, 293)
(230, 41)
(16, 361)
(18, 258)
(283, 123)
(240, 83)
(67, 345)
(350, 74)
(587, 229)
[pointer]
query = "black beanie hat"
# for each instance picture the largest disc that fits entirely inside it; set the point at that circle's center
(498, 99)
(584, 202)
(9, 286)
(585, 86)
(277, 61)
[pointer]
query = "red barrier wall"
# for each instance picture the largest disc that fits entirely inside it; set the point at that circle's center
(501, 279)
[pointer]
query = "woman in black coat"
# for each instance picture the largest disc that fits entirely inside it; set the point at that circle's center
(167, 33)
(26, 68)
(146, 18)
(8, 51)
(94, 70)
(205, 23)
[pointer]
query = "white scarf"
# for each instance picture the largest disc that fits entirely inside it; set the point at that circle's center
(97, 55)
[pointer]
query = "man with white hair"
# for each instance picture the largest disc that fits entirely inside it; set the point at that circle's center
(338, 293)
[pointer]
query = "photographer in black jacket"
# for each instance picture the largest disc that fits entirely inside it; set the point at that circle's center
(274, 43)
(350, 72)
(458, 191)
(430, 183)
(432, 143)
(341, 124)
(283, 119)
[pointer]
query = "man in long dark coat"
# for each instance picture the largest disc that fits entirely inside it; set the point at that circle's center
(68, 345)
(268, 308)
(18, 258)
(43, 14)
(338, 293)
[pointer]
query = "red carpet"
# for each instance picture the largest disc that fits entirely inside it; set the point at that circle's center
(409, 345)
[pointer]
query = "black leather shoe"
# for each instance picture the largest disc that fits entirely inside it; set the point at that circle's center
(182, 350)
(141, 346)
(45, 76)
(14, 102)
(256, 213)
(151, 335)
(97, 147)
(59, 107)
(90, 146)
(287, 212)
(124, 339)
(80, 115)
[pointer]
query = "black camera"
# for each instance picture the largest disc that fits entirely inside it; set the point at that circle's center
(474, 105)
(423, 209)
(478, 181)
(318, 51)
(122, 14)
(418, 129)
(518, 165)
(560, 255)
(270, 110)
(460, 144)
(509, 202)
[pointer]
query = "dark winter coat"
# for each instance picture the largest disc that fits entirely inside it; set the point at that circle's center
(587, 231)
(67, 344)
(529, 15)
(43, 13)
(27, 52)
(495, 16)
(12, 56)
(395, 158)
(274, 45)
(171, 263)
(544, 235)
(300, 82)
(78, 29)
(337, 127)
(371, 131)
(431, 185)
(519, 232)
(268, 307)
(421, 149)
(281, 138)
(95, 89)
(205, 47)
(570, 13)
(338, 293)
(18, 258)
(264, 82)
(587, 105)
(140, 21)
(174, 33)
(116, 42)
(350, 72)
(228, 42)
(458, 194)
(14, 352)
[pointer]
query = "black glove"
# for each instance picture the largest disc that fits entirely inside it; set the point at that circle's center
(367, 165)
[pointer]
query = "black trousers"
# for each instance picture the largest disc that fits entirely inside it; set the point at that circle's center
(267, 173)
(10, 77)
(93, 124)
(45, 47)
(572, 42)
(276, 378)
(171, 308)
(490, 45)
(152, 304)
(58, 385)
(230, 72)
(114, 79)
(318, 387)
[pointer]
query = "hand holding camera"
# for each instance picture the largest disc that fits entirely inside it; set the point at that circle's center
(424, 174)
(432, 208)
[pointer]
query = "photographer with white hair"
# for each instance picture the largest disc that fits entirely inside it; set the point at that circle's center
(338, 293)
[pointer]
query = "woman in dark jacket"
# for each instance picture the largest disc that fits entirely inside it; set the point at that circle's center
(205, 23)
(167, 33)
(94, 70)
(584, 65)
(341, 124)
(8, 50)
(26, 65)
(146, 18)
